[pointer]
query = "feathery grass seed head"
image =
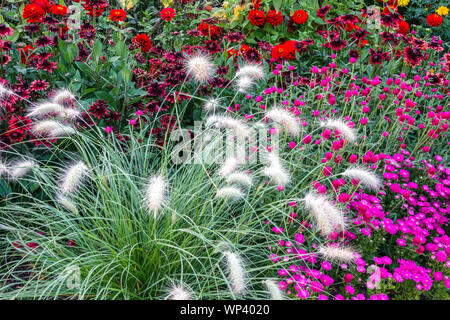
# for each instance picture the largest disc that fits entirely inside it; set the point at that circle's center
(156, 194)
(364, 176)
(200, 67)
(236, 272)
(285, 119)
(73, 177)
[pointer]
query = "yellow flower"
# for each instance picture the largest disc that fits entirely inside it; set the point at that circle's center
(127, 4)
(442, 11)
(226, 4)
(220, 14)
(403, 3)
(237, 10)
(166, 3)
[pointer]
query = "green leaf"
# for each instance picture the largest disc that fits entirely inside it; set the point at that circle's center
(97, 50)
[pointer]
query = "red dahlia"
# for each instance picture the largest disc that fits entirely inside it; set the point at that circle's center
(274, 18)
(300, 17)
(167, 14)
(117, 15)
(142, 41)
(33, 13)
(257, 17)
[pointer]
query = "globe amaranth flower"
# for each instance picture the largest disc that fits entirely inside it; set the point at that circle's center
(167, 14)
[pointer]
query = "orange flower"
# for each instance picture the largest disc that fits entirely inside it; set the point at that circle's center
(117, 15)
(59, 10)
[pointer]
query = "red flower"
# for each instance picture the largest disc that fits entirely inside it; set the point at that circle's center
(59, 10)
(142, 41)
(24, 53)
(300, 17)
(44, 4)
(33, 13)
(286, 50)
(403, 27)
(167, 14)
(434, 20)
(274, 18)
(209, 30)
(257, 18)
(256, 4)
(99, 109)
(117, 15)
(90, 10)
(377, 57)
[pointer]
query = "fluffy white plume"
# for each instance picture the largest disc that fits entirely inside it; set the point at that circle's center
(336, 253)
(44, 109)
(62, 131)
(71, 113)
(252, 71)
(155, 194)
(229, 166)
(275, 170)
(19, 169)
(51, 128)
(73, 177)
(67, 203)
(3, 169)
(229, 193)
(328, 217)
(179, 293)
(200, 67)
(241, 178)
(236, 272)
(239, 128)
(364, 176)
(274, 290)
(63, 96)
(342, 127)
(243, 84)
(211, 104)
(285, 119)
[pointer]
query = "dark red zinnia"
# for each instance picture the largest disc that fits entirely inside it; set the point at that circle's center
(274, 18)
(142, 41)
(257, 17)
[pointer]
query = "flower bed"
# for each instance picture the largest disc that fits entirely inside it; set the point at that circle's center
(116, 175)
